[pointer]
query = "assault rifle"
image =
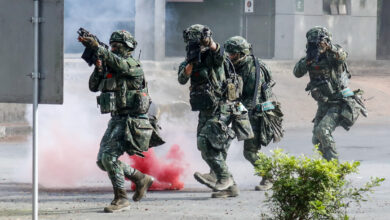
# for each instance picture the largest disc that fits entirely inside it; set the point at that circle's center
(313, 47)
(193, 52)
(90, 56)
(193, 47)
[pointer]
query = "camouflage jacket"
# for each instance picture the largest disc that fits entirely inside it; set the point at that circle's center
(120, 71)
(247, 70)
(210, 70)
(329, 74)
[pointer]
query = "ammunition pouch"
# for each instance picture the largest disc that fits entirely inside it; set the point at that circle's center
(108, 85)
(131, 101)
(107, 102)
(138, 133)
(320, 90)
(349, 113)
(234, 88)
(269, 124)
(351, 109)
(240, 123)
(137, 101)
(202, 97)
(242, 127)
(218, 134)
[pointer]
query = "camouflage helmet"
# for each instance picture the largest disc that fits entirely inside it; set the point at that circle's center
(237, 44)
(318, 32)
(196, 32)
(124, 37)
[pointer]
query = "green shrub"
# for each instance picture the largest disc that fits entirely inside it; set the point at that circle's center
(310, 188)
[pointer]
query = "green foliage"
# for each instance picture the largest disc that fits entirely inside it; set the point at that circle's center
(310, 188)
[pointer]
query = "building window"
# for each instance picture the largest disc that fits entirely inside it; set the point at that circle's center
(337, 7)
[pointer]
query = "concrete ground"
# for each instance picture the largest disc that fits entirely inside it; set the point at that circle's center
(368, 144)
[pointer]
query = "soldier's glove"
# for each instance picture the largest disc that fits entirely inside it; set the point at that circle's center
(206, 40)
(89, 42)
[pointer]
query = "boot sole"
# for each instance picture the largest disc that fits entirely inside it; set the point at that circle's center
(144, 189)
(203, 181)
(214, 196)
(257, 188)
(127, 208)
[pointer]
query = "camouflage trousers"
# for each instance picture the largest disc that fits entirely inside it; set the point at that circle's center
(252, 146)
(113, 144)
(213, 140)
(325, 122)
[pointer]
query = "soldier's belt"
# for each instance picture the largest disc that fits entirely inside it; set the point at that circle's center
(125, 113)
(235, 108)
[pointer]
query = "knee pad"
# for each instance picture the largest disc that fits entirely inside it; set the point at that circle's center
(100, 165)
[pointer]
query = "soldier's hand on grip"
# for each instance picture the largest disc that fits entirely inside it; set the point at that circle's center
(88, 42)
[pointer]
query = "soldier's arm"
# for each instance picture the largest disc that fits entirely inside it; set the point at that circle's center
(217, 55)
(94, 80)
(338, 53)
(182, 76)
(118, 64)
(300, 68)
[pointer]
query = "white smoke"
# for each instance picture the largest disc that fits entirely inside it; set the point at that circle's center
(69, 134)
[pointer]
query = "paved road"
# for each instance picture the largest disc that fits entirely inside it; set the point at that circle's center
(366, 143)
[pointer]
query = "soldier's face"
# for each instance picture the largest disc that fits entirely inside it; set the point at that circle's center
(234, 57)
(115, 46)
(322, 47)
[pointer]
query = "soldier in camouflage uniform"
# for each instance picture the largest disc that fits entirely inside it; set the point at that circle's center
(213, 94)
(123, 93)
(238, 51)
(338, 105)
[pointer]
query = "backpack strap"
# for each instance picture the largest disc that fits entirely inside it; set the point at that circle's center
(257, 66)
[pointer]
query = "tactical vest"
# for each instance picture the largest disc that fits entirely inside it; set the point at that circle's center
(124, 94)
(204, 90)
(328, 81)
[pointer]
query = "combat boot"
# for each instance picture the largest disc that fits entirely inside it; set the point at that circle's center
(265, 185)
(113, 202)
(224, 183)
(208, 179)
(232, 191)
(120, 202)
(142, 183)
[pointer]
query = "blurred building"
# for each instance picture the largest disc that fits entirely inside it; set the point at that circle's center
(276, 28)
(383, 37)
